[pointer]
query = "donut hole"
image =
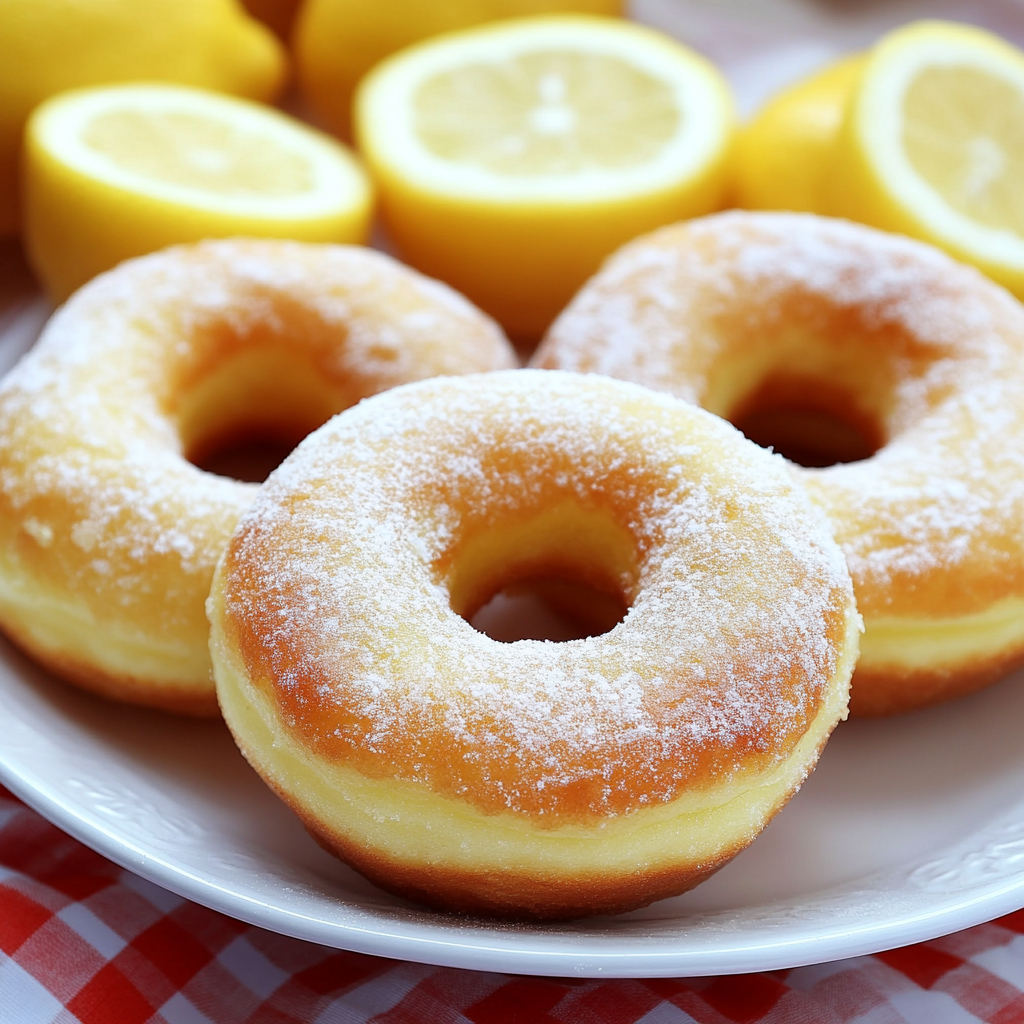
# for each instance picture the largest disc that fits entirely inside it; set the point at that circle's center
(564, 573)
(249, 455)
(820, 395)
(549, 609)
(811, 422)
(244, 415)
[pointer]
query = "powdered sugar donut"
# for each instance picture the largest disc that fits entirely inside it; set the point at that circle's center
(903, 367)
(532, 779)
(108, 534)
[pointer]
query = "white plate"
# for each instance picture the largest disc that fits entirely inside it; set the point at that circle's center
(910, 828)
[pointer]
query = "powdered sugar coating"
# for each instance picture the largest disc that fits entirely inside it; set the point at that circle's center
(336, 591)
(933, 523)
(98, 504)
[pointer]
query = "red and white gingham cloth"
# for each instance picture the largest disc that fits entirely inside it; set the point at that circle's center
(84, 942)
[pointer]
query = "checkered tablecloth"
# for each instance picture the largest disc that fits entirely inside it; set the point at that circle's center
(82, 940)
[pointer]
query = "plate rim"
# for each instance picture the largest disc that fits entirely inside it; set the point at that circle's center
(422, 943)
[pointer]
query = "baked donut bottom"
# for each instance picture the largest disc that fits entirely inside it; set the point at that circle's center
(118, 663)
(909, 663)
(430, 849)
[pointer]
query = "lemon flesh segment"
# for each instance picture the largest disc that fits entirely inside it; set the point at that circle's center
(115, 172)
(933, 145)
(548, 113)
(200, 153)
(970, 152)
(565, 109)
(513, 158)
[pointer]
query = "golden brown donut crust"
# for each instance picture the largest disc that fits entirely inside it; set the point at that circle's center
(926, 352)
(108, 534)
(340, 635)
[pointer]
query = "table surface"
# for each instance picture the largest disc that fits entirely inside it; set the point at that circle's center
(82, 940)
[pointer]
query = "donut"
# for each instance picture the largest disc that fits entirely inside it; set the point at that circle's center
(109, 531)
(532, 779)
(892, 373)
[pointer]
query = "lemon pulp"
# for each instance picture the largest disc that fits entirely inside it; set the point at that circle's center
(963, 133)
(336, 42)
(547, 113)
(198, 153)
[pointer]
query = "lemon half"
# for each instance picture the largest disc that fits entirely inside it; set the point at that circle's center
(48, 46)
(933, 145)
(512, 158)
(118, 171)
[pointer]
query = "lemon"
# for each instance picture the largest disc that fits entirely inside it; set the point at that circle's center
(338, 41)
(48, 46)
(117, 171)
(932, 145)
(784, 153)
(512, 158)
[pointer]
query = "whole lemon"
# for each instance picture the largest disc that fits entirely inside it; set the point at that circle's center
(337, 41)
(784, 154)
(52, 45)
